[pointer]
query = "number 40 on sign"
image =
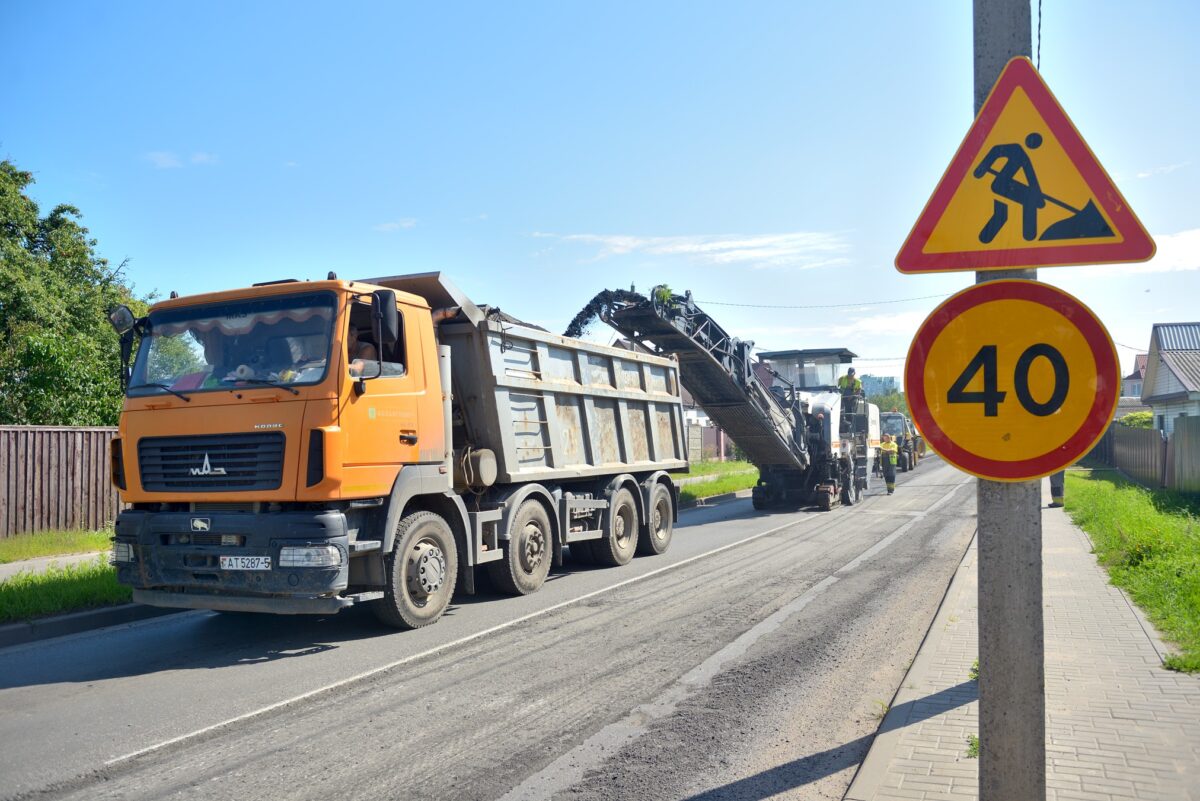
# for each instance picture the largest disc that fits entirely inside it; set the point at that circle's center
(1012, 380)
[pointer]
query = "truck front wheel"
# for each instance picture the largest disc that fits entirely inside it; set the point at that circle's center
(527, 556)
(421, 571)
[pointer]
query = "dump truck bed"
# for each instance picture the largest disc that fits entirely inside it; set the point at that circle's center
(552, 407)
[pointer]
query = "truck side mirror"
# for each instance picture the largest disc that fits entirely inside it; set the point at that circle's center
(385, 318)
(121, 319)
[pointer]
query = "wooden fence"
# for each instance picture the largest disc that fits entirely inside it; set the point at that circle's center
(55, 478)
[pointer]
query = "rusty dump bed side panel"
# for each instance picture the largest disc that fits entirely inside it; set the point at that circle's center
(552, 407)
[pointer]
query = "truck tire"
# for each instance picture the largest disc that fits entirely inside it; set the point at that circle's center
(656, 536)
(526, 561)
(421, 571)
(620, 539)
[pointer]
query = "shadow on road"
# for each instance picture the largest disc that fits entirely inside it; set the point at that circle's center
(800, 772)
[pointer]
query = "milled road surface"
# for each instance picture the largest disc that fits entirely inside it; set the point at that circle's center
(753, 671)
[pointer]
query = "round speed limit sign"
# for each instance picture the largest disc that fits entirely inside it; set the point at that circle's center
(1012, 380)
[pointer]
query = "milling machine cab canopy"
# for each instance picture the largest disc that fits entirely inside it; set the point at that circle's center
(811, 370)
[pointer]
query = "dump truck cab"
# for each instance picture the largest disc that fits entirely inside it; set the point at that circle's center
(240, 410)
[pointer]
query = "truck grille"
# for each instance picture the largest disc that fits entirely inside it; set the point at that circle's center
(220, 463)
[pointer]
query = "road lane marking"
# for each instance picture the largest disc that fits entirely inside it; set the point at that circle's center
(570, 768)
(447, 646)
(183, 738)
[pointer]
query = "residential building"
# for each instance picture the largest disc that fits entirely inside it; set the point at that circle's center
(876, 385)
(1131, 385)
(1172, 384)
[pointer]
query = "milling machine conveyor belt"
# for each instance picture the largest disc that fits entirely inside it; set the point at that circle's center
(718, 372)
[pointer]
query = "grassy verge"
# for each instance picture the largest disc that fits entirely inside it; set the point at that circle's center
(717, 486)
(68, 588)
(713, 468)
(1150, 544)
(52, 543)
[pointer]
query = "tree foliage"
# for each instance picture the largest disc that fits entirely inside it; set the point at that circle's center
(893, 401)
(1137, 420)
(58, 355)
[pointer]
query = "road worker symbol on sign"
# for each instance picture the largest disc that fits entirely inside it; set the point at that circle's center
(1023, 190)
(1085, 222)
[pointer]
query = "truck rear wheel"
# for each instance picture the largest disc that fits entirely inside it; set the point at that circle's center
(421, 571)
(620, 539)
(526, 561)
(656, 536)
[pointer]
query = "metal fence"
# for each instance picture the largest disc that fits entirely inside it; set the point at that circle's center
(55, 477)
(1153, 460)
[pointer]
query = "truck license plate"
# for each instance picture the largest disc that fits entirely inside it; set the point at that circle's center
(245, 563)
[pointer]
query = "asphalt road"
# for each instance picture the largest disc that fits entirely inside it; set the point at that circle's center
(750, 661)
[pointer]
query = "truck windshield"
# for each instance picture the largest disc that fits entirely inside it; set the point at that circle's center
(893, 424)
(217, 346)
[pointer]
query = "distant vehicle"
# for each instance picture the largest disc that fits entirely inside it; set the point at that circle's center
(911, 443)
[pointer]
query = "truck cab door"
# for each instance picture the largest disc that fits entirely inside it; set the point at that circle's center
(381, 424)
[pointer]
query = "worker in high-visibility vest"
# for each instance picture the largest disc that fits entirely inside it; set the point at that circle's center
(889, 450)
(851, 388)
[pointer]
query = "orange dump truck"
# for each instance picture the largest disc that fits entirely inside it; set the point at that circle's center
(299, 447)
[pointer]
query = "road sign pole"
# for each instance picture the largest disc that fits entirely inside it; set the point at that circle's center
(1012, 699)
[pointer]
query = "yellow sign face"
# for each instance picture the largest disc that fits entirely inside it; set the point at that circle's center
(1012, 380)
(1023, 190)
(1021, 143)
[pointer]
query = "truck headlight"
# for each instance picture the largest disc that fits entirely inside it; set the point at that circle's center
(122, 552)
(309, 556)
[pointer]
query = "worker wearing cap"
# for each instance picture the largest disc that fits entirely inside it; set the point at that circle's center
(888, 450)
(850, 388)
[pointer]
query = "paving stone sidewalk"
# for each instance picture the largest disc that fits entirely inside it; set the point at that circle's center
(1118, 724)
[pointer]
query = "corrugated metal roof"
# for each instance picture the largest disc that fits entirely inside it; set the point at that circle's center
(1177, 336)
(1186, 367)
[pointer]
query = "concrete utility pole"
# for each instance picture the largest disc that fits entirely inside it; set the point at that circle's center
(1012, 679)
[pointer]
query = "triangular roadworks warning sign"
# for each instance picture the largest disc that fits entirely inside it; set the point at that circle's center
(1023, 190)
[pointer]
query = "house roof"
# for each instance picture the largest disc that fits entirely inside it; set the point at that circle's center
(1185, 365)
(1176, 336)
(1139, 367)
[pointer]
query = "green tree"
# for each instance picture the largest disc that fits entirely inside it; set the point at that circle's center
(1137, 420)
(893, 401)
(58, 355)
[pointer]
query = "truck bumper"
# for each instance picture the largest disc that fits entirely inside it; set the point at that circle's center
(176, 560)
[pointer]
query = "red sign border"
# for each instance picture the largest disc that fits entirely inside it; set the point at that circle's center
(1093, 427)
(1020, 73)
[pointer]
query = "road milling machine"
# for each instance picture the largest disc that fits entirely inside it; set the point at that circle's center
(812, 445)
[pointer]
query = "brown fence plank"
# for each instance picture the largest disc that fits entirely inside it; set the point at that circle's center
(54, 477)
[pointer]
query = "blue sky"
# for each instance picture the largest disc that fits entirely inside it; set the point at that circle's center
(765, 153)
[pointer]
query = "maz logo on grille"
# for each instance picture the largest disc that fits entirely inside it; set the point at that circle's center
(207, 469)
(200, 524)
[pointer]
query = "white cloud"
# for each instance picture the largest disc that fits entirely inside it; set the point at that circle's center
(397, 225)
(1164, 170)
(880, 325)
(799, 249)
(204, 158)
(291, 164)
(1176, 253)
(163, 159)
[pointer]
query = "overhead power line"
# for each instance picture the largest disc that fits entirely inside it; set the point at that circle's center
(822, 305)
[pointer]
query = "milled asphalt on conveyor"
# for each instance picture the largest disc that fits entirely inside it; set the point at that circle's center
(74, 704)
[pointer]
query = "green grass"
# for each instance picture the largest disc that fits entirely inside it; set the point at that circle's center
(714, 468)
(1150, 544)
(718, 486)
(66, 588)
(52, 543)
(972, 746)
(973, 673)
